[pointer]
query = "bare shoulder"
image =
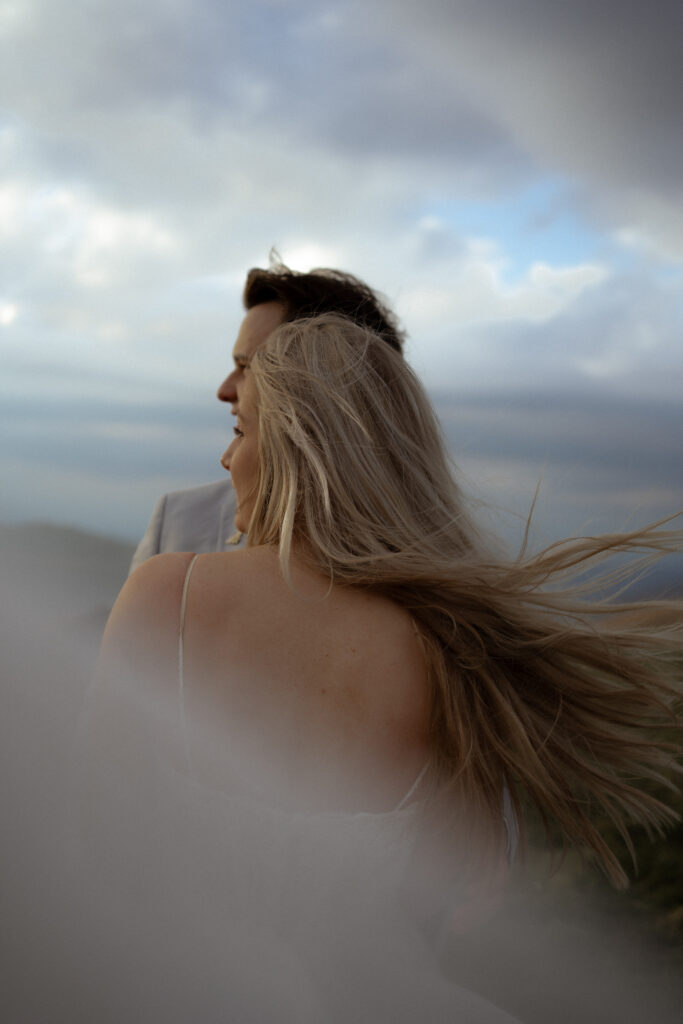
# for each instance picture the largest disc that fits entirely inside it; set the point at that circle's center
(154, 583)
(147, 608)
(235, 579)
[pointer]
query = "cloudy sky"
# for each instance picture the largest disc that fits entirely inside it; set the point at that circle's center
(508, 172)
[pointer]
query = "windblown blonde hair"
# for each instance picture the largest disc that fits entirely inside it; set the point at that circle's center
(529, 688)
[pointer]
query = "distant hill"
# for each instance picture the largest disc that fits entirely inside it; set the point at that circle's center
(61, 568)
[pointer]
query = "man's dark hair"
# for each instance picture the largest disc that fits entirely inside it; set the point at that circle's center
(323, 291)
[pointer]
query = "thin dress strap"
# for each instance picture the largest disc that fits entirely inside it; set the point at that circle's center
(181, 675)
(413, 788)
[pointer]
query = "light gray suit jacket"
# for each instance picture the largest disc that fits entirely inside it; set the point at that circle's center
(200, 519)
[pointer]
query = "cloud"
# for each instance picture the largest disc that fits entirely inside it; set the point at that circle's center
(277, 107)
(602, 463)
(578, 331)
(507, 173)
(589, 90)
(472, 289)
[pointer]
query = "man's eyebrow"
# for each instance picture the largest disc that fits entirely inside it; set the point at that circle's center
(240, 357)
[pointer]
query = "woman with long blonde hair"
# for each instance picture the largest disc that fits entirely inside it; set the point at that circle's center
(368, 652)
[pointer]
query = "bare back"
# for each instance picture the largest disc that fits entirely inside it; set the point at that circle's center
(320, 692)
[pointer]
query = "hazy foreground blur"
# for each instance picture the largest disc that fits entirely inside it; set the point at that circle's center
(158, 921)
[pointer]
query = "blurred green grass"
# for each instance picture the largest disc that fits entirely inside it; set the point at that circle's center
(655, 893)
(653, 899)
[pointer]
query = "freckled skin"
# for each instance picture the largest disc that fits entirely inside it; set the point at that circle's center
(255, 656)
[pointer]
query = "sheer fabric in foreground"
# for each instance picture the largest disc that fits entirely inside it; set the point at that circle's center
(213, 904)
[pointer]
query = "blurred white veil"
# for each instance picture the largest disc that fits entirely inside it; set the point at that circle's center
(130, 892)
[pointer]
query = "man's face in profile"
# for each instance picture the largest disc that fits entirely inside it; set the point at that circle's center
(259, 322)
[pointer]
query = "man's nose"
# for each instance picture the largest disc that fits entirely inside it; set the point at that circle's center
(226, 392)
